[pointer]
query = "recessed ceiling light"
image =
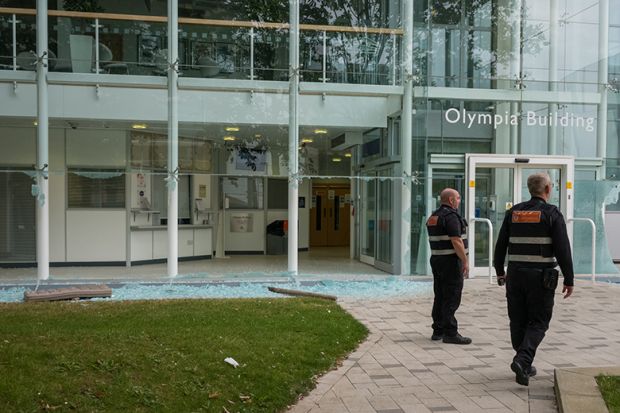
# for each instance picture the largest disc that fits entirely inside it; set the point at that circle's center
(320, 131)
(229, 138)
(232, 129)
(336, 159)
(139, 126)
(307, 140)
(347, 155)
(35, 123)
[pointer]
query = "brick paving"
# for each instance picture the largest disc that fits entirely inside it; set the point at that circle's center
(398, 369)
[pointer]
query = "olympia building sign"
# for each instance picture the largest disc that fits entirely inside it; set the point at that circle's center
(529, 118)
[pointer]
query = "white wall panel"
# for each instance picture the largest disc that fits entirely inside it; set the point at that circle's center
(253, 240)
(57, 195)
(112, 103)
(22, 102)
(18, 146)
(96, 235)
(218, 106)
(101, 147)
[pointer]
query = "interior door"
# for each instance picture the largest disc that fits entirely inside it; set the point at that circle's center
(329, 216)
(318, 218)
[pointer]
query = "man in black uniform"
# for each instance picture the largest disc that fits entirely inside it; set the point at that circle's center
(534, 233)
(447, 234)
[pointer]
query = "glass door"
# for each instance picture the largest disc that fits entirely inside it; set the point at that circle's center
(494, 195)
(495, 183)
(367, 218)
(384, 219)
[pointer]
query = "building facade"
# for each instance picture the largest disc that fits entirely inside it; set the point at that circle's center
(144, 131)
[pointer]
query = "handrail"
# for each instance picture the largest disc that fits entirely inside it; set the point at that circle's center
(593, 226)
(488, 222)
(205, 22)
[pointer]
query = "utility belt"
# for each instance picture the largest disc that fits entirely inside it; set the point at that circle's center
(550, 276)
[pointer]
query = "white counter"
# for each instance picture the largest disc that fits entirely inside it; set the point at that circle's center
(150, 242)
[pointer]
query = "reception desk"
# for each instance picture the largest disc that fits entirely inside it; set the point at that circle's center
(150, 242)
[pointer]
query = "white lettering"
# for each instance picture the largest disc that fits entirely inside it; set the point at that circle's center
(590, 124)
(471, 119)
(497, 120)
(531, 118)
(455, 111)
(514, 120)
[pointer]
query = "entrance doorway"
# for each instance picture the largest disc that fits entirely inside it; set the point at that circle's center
(489, 185)
(495, 183)
(330, 216)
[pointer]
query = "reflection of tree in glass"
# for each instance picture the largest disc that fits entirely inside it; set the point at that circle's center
(473, 18)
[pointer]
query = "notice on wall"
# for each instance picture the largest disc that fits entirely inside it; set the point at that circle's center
(331, 194)
(241, 223)
(347, 198)
(202, 191)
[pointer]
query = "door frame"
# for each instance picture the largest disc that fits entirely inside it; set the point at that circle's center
(518, 163)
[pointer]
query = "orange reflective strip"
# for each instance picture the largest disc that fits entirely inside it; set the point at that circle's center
(432, 221)
(526, 217)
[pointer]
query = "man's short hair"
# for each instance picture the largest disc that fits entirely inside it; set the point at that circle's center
(536, 183)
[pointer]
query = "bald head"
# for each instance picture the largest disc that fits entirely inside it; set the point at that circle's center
(450, 197)
(539, 184)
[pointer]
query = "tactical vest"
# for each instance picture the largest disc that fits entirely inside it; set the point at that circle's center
(438, 235)
(530, 240)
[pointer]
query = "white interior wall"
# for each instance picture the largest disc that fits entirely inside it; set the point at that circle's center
(96, 147)
(57, 195)
(96, 235)
(18, 146)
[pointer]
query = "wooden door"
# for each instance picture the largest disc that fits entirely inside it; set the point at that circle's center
(330, 216)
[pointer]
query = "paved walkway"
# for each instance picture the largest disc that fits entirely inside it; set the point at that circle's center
(399, 369)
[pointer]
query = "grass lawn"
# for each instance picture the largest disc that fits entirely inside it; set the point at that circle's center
(610, 389)
(168, 355)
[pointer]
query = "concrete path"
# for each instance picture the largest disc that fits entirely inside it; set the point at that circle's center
(399, 369)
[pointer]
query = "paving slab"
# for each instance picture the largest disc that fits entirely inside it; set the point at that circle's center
(399, 369)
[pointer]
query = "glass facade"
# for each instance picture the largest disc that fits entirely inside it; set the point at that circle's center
(518, 77)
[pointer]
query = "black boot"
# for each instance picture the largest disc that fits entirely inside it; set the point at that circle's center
(522, 376)
(457, 339)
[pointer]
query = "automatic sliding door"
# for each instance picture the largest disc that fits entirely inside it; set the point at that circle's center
(367, 220)
(384, 220)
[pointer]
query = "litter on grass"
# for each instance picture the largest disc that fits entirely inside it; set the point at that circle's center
(231, 361)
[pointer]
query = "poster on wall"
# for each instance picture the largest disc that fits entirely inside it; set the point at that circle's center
(241, 223)
(248, 161)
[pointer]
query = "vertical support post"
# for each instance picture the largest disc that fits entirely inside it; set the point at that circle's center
(14, 31)
(97, 46)
(394, 46)
(324, 56)
(43, 241)
(515, 70)
(293, 136)
(251, 53)
(554, 18)
(603, 53)
(173, 139)
(406, 123)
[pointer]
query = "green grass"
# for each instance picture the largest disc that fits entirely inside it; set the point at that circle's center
(610, 389)
(168, 355)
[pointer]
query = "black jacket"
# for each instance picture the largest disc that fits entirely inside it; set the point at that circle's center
(533, 233)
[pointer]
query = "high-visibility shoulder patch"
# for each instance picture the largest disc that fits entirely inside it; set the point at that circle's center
(526, 217)
(432, 221)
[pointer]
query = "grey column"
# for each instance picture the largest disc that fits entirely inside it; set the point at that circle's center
(173, 139)
(554, 16)
(603, 53)
(293, 136)
(406, 122)
(43, 213)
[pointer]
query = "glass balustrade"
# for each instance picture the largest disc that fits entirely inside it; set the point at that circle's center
(137, 45)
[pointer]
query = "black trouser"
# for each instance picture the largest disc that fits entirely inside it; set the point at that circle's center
(448, 286)
(530, 306)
